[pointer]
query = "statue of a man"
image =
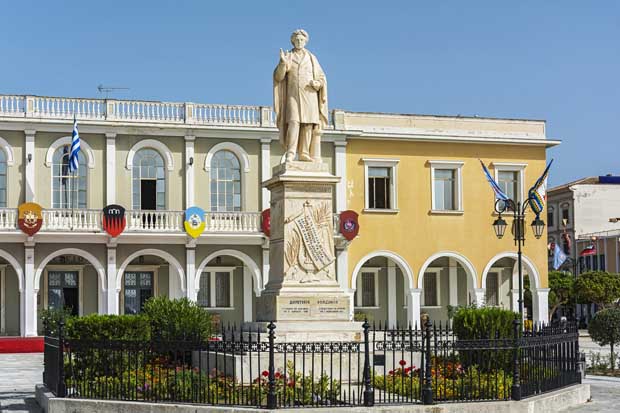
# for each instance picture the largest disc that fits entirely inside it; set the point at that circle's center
(300, 100)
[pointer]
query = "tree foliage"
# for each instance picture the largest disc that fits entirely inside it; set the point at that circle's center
(561, 285)
(604, 329)
(598, 287)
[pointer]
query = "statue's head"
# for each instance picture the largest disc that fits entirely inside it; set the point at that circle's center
(299, 38)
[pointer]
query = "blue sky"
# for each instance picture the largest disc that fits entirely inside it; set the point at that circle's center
(554, 60)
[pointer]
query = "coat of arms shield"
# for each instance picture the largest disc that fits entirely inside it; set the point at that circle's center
(114, 220)
(30, 217)
(349, 227)
(265, 222)
(194, 221)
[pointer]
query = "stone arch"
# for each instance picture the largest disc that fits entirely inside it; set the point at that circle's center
(18, 269)
(529, 266)
(256, 274)
(239, 152)
(160, 147)
(66, 140)
(8, 150)
(400, 261)
(467, 265)
(71, 251)
(157, 253)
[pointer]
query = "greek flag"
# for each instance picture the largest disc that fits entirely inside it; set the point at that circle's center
(558, 256)
(75, 148)
(499, 194)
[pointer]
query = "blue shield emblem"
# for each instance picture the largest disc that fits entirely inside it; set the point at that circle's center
(194, 221)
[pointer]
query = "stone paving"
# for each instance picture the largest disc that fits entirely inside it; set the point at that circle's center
(18, 375)
(605, 393)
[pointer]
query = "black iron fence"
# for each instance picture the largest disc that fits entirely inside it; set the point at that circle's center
(251, 367)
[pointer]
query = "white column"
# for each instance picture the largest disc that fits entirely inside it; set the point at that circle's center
(340, 155)
(247, 294)
(112, 292)
(453, 282)
(515, 299)
(189, 170)
(540, 305)
(342, 268)
(391, 287)
(29, 151)
(413, 307)
(266, 266)
(30, 294)
(110, 168)
(479, 297)
(190, 272)
(265, 162)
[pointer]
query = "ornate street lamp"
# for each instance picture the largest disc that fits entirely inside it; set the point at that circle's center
(499, 226)
(538, 226)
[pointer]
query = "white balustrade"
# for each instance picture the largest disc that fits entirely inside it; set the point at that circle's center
(149, 111)
(134, 111)
(232, 222)
(84, 220)
(8, 218)
(12, 105)
(154, 221)
(226, 114)
(67, 108)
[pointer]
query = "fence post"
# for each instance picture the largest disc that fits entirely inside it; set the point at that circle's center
(271, 393)
(516, 379)
(62, 391)
(369, 391)
(427, 390)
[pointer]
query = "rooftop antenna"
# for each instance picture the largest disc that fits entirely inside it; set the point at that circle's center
(108, 89)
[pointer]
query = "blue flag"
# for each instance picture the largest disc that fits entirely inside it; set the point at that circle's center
(558, 257)
(499, 194)
(75, 148)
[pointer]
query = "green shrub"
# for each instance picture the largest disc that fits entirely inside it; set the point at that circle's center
(51, 317)
(477, 323)
(604, 329)
(108, 327)
(177, 319)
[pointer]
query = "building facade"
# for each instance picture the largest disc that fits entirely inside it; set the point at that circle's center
(425, 209)
(583, 213)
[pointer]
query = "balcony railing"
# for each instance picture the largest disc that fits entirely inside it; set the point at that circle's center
(49, 107)
(90, 220)
(46, 107)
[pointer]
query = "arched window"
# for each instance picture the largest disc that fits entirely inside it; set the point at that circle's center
(68, 188)
(2, 179)
(225, 182)
(149, 180)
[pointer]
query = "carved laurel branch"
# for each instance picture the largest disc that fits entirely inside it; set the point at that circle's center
(322, 215)
(292, 248)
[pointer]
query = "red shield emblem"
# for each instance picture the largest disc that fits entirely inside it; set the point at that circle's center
(30, 218)
(349, 227)
(265, 223)
(114, 219)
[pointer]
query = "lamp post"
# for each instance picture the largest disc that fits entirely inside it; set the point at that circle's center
(518, 229)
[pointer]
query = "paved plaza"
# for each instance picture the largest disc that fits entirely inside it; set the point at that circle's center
(20, 372)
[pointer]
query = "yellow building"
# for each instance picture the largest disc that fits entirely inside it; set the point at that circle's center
(426, 211)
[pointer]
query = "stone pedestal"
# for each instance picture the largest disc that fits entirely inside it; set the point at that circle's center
(303, 290)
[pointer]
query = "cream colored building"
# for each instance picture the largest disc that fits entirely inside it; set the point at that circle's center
(156, 159)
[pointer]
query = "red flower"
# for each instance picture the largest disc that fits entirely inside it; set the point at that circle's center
(402, 362)
(265, 373)
(291, 383)
(407, 370)
(391, 372)
(278, 375)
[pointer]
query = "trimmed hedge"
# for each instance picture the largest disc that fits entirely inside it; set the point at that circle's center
(177, 319)
(477, 323)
